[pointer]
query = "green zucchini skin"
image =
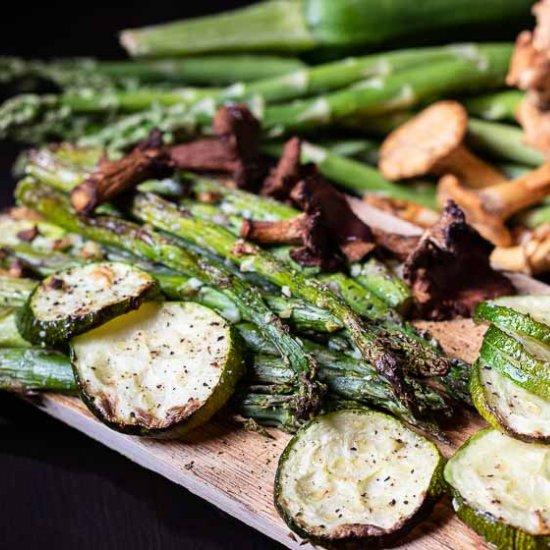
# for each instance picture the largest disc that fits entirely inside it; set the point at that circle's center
(57, 332)
(503, 537)
(493, 416)
(508, 319)
(358, 536)
(232, 371)
(510, 358)
(497, 533)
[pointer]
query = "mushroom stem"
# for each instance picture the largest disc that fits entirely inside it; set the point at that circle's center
(488, 208)
(275, 232)
(406, 210)
(469, 168)
(531, 257)
(511, 197)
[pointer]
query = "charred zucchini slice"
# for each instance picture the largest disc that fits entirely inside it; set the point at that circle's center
(74, 300)
(508, 407)
(159, 370)
(526, 317)
(520, 360)
(356, 476)
(501, 489)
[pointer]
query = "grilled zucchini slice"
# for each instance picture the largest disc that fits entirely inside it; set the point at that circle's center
(74, 300)
(356, 476)
(501, 489)
(508, 407)
(159, 370)
(517, 359)
(526, 317)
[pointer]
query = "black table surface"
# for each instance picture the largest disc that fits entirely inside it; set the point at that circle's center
(59, 488)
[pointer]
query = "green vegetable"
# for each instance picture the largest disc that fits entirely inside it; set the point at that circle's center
(527, 317)
(495, 106)
(302, 25)
(214, 239)
(159, 370)
(72, 301)
(25, 370)
(356, 476)
(502, 141)
(14, 291)
(207, 70)
(517, 361)
(508, 407)
(499, 487)
(152, 246)
(402, 90)
(9, 334)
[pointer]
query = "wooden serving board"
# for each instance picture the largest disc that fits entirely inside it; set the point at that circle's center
(233, 468)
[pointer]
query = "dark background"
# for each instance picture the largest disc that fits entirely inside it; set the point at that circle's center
(58, 488)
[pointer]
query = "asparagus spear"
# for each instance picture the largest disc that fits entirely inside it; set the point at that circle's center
(237, 204)
(153, 246)
(9, 335)
(35, 369)
(402, 90)
(495, 106)
(206, 70)
(402, 338)
(534, 217)
(502, 141)
(304, 25)
(15, 291)
(486, 68)
(338, 74)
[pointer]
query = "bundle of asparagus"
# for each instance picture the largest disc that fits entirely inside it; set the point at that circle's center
(195, 254)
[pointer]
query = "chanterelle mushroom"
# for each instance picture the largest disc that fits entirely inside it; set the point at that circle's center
(530, 71)
(235, 149)
(487, 209)
(432, 143)
(449, 271)
(530, 256)
(112, 177)
(406, 210)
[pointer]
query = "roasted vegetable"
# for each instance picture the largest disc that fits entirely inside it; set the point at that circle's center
(356, 476)
(79, 298)
(500, 489)
(507, 406)
(159, 370)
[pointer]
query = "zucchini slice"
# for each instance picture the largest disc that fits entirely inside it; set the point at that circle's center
(356, 476)
(508, 407)
(518, 360)
(159, 370)
(501, 489)
(526, 317)
(74, 300)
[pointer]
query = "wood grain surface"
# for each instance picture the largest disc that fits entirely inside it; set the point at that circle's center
(233, 468)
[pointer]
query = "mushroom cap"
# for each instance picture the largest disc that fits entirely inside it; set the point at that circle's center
(415, 148)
